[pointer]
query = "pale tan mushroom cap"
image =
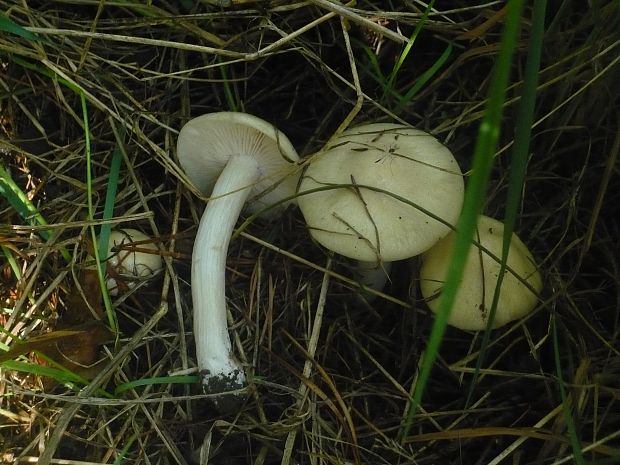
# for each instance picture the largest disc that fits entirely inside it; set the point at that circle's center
(475, 295)
(130, 266)
(365, 224)
(206, 143)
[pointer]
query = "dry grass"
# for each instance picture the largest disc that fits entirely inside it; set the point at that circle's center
(332, 375)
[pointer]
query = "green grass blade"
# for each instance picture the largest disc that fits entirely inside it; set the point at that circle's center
(183, 379)
(11, 261)
(91, 216)
(16, 93)
(45, 72)
(568, 417)
(104, 231)
(486, 143)
(525, 122)
(57, 374)
(403, 56)
(55, 371)
(110, 198)
(424, 79)
(20, 202)
(371, 67)
(122, 454)
(15, 269)
(24, 207)
(10, 26)
(228, 90)
(518, 164)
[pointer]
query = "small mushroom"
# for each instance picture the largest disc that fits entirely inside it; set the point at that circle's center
(390, 192)
(520, 287)
(233, 157)
(131, 257)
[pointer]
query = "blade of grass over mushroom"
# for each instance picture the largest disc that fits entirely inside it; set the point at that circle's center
(486, 144)
(267, 208)
(518, 165)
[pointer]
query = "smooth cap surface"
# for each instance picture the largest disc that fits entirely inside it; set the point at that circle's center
(402, 168)
(475, 296)
(207, 142)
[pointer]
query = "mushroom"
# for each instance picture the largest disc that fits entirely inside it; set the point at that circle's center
(233, 157)
(131, 257)
(389, 192)
(520, 287)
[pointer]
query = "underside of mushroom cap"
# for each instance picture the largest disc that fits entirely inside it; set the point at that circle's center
(391, 192)
(206, 143)
(475, 295)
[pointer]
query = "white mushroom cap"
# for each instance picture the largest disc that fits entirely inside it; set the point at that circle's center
(369, 225)
(127, 265)
(475, 295)
(207, 142)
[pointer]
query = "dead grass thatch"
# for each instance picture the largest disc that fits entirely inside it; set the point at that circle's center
(331, 374)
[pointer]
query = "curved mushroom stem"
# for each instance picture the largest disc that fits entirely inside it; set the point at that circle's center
(216, 362)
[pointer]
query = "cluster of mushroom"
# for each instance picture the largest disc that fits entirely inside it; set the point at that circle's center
(378, 193)
(383, 192)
